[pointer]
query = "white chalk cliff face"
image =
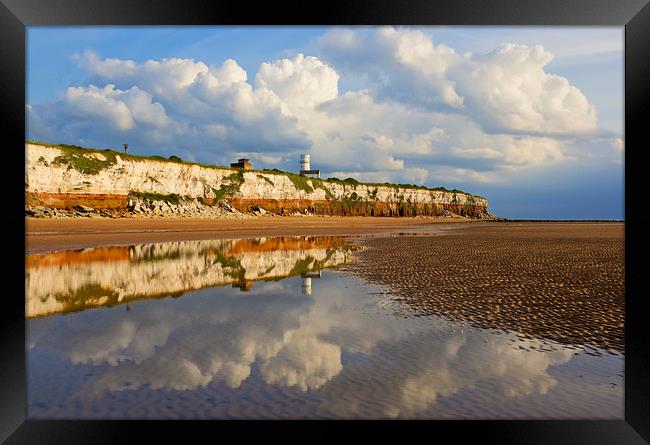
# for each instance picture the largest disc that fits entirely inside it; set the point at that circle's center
(75, 280)
(44, 175)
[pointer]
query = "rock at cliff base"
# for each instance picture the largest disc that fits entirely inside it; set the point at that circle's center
(83, 208)
(225, 205)
(257, 210)
(36, 212)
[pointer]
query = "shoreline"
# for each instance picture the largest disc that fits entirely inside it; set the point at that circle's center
(46, 235)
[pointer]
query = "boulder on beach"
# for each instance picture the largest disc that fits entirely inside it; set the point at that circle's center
(84, 209)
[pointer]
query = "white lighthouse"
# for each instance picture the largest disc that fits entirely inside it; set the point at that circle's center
(306, 281)
(304, 162)
(306, 285)
(305, 166)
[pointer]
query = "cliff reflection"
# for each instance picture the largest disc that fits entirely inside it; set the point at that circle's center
(70, 281)
(274, 353)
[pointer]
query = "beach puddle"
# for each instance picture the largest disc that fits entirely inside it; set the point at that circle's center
(269, 329)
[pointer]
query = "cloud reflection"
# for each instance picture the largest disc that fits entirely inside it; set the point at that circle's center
(341, 342)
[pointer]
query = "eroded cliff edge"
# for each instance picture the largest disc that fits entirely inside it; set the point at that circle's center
(63, 177)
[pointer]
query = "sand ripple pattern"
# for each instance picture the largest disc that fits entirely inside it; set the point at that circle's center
(559, 281)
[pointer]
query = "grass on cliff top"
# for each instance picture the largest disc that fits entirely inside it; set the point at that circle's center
(77, 151)
(299, 181)
(79, 160)
(354, 182)
(75, 156)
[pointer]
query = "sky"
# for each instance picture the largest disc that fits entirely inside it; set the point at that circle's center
(529, 117)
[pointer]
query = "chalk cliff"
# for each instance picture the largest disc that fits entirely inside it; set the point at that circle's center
(64, 177)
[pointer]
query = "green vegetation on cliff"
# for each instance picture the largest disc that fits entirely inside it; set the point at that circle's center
(83, 161)
(318, 184)
(300, 182)
(235, 181)
(171, 198)
(266, 179)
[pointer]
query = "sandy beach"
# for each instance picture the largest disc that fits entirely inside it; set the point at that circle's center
(559, 281)
(43, 235)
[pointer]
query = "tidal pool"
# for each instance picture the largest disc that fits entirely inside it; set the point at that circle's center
(269, 329)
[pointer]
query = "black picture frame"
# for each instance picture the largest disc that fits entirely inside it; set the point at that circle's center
(16, 15)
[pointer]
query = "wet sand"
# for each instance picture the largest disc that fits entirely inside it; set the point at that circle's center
(559, 281)
(43, 235)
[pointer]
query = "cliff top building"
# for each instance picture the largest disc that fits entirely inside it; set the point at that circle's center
(243, 163)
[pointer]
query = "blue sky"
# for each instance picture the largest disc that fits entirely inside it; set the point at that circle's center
(530, 117)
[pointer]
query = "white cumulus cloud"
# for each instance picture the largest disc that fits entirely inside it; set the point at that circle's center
(506, 90)
(421, 111)
(302, 82)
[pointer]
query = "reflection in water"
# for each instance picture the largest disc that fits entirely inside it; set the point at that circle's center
(75, 280)
(287, 349)
(306, 281)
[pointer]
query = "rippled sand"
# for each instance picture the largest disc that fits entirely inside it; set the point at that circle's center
(558, 281)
